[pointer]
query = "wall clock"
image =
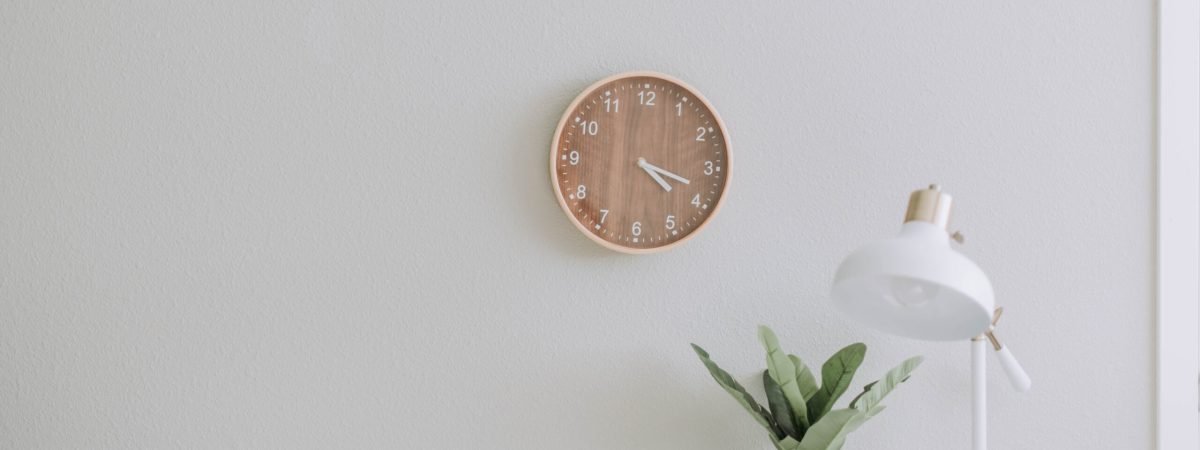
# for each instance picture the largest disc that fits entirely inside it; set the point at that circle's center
(640, 162)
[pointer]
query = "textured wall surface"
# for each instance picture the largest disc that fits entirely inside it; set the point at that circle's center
(329, 224)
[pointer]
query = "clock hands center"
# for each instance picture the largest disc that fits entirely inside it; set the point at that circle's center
(650, 171)
(651, 167)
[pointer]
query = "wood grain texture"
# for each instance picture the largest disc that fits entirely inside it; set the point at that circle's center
(598, 144)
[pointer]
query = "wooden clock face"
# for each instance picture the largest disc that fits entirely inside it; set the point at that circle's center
(640, 162)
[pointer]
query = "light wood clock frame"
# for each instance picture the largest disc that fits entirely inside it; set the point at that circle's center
(640, 162)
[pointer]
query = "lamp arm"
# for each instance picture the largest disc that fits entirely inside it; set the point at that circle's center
(1016, 374)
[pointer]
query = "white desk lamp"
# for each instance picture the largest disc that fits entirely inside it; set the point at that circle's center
(915, 285)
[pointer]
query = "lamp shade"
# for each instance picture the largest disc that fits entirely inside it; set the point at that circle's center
(915, 285)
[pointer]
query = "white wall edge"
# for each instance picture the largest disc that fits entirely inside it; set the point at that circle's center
(1178, 225)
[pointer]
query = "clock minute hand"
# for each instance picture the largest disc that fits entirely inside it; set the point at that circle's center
(669, 174)
(650, 171)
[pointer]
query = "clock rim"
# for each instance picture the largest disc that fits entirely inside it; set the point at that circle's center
(562, 202)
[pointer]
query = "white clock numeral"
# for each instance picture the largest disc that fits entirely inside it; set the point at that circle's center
(708, 168)
(679, 109)
(637, 229)
(700, 134)
(646, 98)
(574, 158)
(612, 104)
(603, 215)
(589, 127)
(696, 200)
(670, 222)
(581, 193)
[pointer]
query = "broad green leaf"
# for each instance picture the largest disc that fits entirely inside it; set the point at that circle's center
(830, 432)
(876, 410)
(854, 424)
(875, 392)
(780, 409)
(735, 389)
(805, 378)
(836, 375)
(783, 371)
(787, 443)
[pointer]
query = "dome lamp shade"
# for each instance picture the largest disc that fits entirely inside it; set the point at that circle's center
(915, 285)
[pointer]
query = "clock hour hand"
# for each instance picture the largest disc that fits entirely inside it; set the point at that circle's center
(648, 166)
(671, 175)
(650, 170)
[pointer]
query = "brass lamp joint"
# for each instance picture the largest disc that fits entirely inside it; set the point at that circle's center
(929, 205)
(990, 334)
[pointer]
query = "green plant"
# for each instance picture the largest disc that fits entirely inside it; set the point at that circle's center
(800, 414)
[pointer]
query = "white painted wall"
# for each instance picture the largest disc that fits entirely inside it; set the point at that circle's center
(329, 225)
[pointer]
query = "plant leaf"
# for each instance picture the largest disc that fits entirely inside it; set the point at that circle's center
(875, 392)
(805, 378)
(857, 422)
(830, 432)
(780, 409)
(735, 389)
(863, 419)
(787, 443)
(836, 375)
(866, 388)
(783, 371)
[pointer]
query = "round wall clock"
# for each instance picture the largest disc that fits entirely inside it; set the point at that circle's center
(640, 162)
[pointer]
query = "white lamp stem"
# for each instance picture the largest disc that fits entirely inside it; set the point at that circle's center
(979, 394)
